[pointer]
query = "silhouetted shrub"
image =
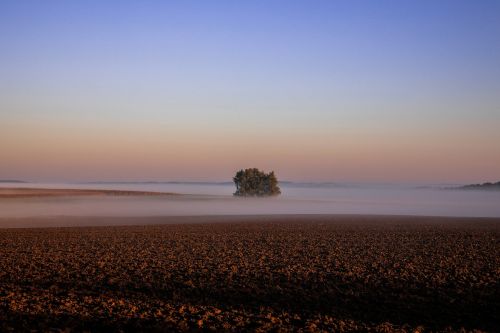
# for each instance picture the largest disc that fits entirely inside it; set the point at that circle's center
(255, 183)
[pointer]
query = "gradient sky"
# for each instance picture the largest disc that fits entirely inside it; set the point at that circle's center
(316, 90)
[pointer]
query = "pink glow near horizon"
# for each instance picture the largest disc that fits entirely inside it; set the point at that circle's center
(46, 152)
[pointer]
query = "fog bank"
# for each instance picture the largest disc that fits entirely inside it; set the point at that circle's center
(202, 199)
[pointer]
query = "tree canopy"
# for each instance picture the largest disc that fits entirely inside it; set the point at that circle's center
(256, 183)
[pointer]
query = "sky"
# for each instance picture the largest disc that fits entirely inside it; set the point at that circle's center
(368, 91)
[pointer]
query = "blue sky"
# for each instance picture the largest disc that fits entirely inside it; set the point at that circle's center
(332, 83)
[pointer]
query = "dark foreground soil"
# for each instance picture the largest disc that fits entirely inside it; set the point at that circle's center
(271, 274)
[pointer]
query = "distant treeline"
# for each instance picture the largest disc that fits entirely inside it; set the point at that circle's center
(283, 183)
(483, 186)
(157, 182)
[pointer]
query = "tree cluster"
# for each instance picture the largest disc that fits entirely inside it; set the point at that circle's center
(255, 183)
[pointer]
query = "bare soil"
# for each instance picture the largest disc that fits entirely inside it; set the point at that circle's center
(284, 273)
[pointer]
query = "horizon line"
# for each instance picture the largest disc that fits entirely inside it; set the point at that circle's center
(284, 182)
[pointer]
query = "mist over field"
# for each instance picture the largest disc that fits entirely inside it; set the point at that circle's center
(216, 199)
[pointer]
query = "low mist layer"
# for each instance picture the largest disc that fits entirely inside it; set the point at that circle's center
(366, 201)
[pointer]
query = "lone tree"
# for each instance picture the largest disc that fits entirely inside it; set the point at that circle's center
(255, 183)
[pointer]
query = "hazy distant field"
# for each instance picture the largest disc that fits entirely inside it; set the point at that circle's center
(344, 273)
(202, 200)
